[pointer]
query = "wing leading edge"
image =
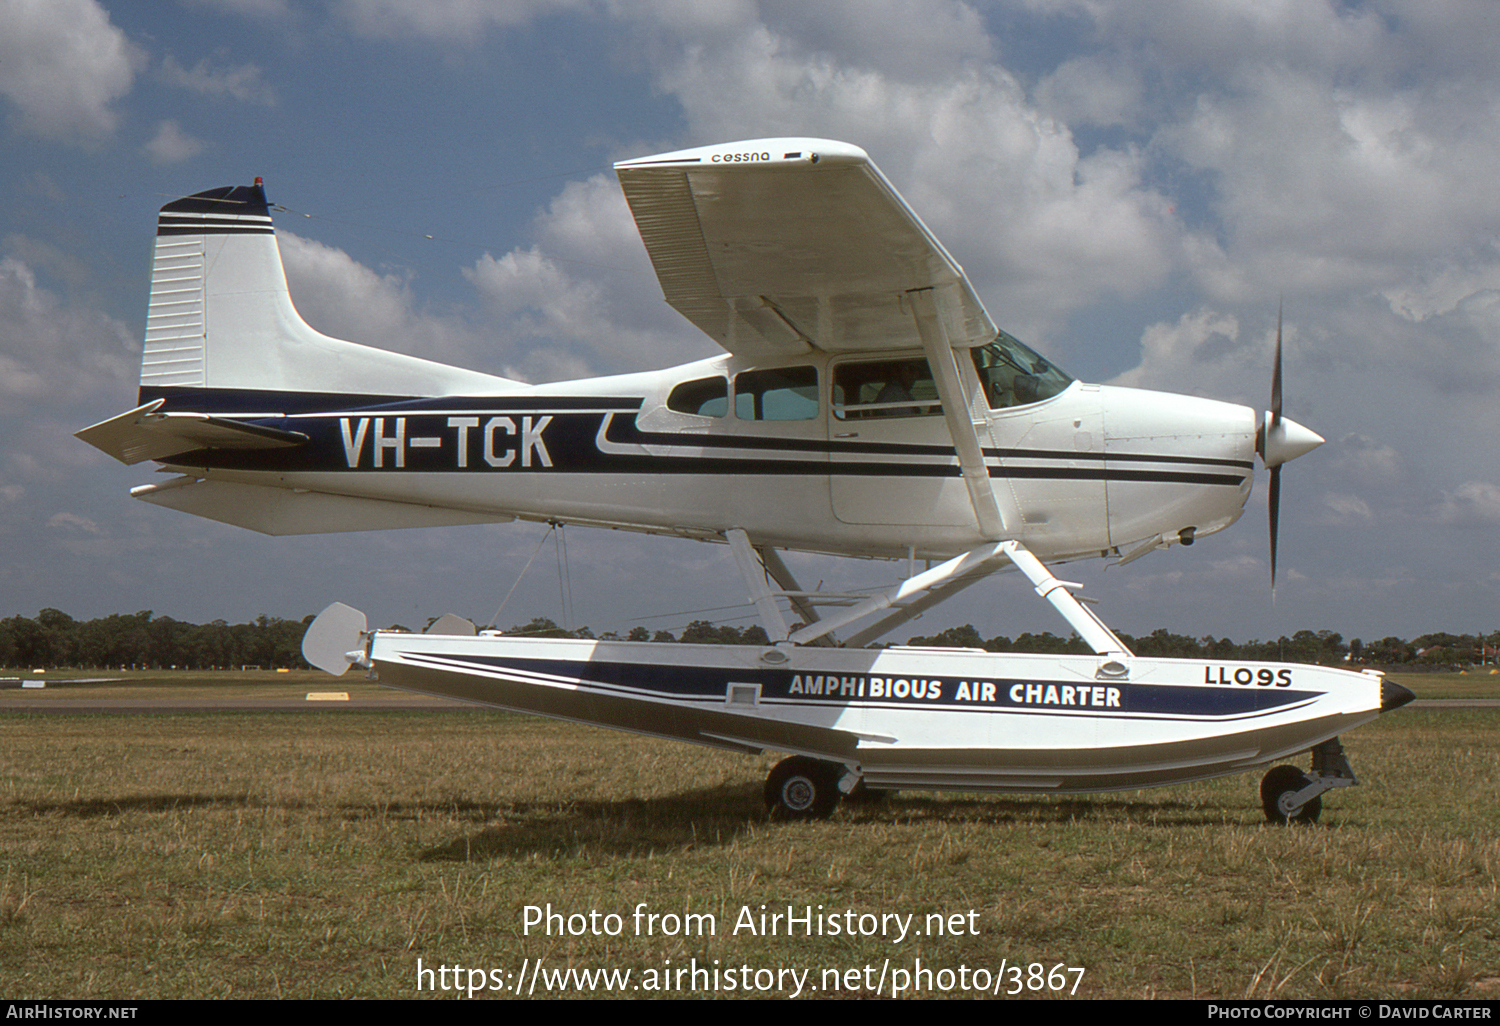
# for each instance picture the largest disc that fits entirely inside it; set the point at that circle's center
(775, 247)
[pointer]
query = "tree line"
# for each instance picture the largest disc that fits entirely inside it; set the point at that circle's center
(140, 640)
(1437, 650)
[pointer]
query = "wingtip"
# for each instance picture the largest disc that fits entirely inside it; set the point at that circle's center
(780, 151)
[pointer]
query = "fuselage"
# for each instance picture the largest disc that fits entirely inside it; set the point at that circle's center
(789, 452)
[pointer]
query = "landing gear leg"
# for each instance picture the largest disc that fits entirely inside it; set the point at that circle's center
(803, 788)
(1287, 795)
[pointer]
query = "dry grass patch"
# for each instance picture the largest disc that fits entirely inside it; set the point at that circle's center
(225, 855)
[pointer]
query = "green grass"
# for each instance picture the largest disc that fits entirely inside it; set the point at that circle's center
(1472, 684)
(280, 854)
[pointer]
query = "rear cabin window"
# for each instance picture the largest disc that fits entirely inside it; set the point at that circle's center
(781, 393)
(884, 388)
(705, 397)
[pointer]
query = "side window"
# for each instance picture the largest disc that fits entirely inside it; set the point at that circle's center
(781, 393)
(887, 388)
(706, 397)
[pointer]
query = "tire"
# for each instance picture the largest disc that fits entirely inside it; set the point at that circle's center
(1287, 780)
(802, 788)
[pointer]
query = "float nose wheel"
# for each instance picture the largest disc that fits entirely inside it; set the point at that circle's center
(1278, 797)
(803, 788)
(1287, 795)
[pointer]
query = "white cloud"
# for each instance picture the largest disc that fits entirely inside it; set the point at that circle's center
(451, 21)
(342, 297)
(1443, 287)
(242, 82)
(264, 10)
(49, 351)
(62, 67)
(1104, 90)
(1220, 36)
(900, 38)
(1342, 509)
(581, 300)
(73, 521)
(1040, 228)
(1472, 504)
(1201, 352)
(586, 286)
(171, 145)
(1368, 462)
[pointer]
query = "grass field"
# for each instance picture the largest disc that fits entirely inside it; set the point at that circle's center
(286, 854)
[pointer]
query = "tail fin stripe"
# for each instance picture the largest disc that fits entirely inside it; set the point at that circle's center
(204, 228)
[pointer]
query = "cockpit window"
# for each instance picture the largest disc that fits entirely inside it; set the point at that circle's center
(884, 388)
(705, 397)
(1015, 375)
(779, 393)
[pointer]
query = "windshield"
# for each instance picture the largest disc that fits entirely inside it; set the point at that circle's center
(1013, 374)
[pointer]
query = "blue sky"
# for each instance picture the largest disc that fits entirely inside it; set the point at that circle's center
(1131, 187)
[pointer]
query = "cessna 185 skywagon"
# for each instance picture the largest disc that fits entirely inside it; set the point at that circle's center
(866, 405)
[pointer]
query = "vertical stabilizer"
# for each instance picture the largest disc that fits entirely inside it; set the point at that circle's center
(221, 316)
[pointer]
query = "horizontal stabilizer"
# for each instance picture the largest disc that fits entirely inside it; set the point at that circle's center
(280, 511)
(144, 434)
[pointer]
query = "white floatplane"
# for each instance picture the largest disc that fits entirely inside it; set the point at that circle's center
(866, 405)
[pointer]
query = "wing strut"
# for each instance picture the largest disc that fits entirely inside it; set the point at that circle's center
(932, 316)
(755, 562)
(802, 601)
(907, 613)
(924, 590)
(1089, 627)
(755, 577)
(907, 592)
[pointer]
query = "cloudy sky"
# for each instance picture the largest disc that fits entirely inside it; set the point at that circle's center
(1132, 187)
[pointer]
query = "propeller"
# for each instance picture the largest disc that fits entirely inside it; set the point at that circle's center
(1278, 441)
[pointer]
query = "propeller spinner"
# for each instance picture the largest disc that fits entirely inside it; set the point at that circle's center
(1279, 440)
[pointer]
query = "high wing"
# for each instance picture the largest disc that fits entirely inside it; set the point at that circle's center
(776, 247)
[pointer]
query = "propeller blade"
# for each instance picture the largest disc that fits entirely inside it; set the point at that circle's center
(1276, 376)
(1273, 504)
